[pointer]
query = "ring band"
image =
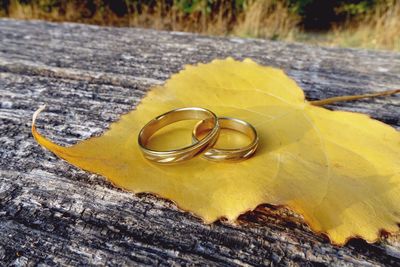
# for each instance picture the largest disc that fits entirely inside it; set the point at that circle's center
(172, 156)
(235, 154)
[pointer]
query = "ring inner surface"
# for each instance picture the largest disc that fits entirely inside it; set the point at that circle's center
(203, 128)
(175, 116)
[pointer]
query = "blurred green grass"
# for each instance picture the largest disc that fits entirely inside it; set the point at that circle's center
(346, 23)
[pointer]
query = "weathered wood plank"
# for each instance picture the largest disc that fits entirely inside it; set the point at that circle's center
(55, 214)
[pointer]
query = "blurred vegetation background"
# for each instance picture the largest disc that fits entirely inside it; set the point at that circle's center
(346, 23)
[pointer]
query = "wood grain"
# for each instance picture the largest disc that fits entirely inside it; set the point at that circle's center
(52, 213)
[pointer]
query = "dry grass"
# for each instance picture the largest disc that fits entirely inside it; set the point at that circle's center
(379, 29)
(270, 19)
(73, 11)
(174, 19)
(263, 19)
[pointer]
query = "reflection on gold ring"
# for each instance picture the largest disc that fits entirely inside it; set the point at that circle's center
(234, 154)
(185, 153)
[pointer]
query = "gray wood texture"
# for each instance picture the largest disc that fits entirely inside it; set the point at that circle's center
(52, 213)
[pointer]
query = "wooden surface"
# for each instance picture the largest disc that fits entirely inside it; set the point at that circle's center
(54, 214)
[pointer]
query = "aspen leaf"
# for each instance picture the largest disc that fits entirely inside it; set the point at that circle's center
(339, 170)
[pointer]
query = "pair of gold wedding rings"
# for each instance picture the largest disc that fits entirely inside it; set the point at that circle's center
(209, 125)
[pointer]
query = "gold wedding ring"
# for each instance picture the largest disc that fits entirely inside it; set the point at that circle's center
(178, 155)
(234, 154)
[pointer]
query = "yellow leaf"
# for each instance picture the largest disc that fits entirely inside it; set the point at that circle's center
(340, 170)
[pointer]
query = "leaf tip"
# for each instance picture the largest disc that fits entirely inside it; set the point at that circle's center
(36, 114)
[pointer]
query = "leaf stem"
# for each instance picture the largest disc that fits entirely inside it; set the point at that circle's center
(331, 100)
